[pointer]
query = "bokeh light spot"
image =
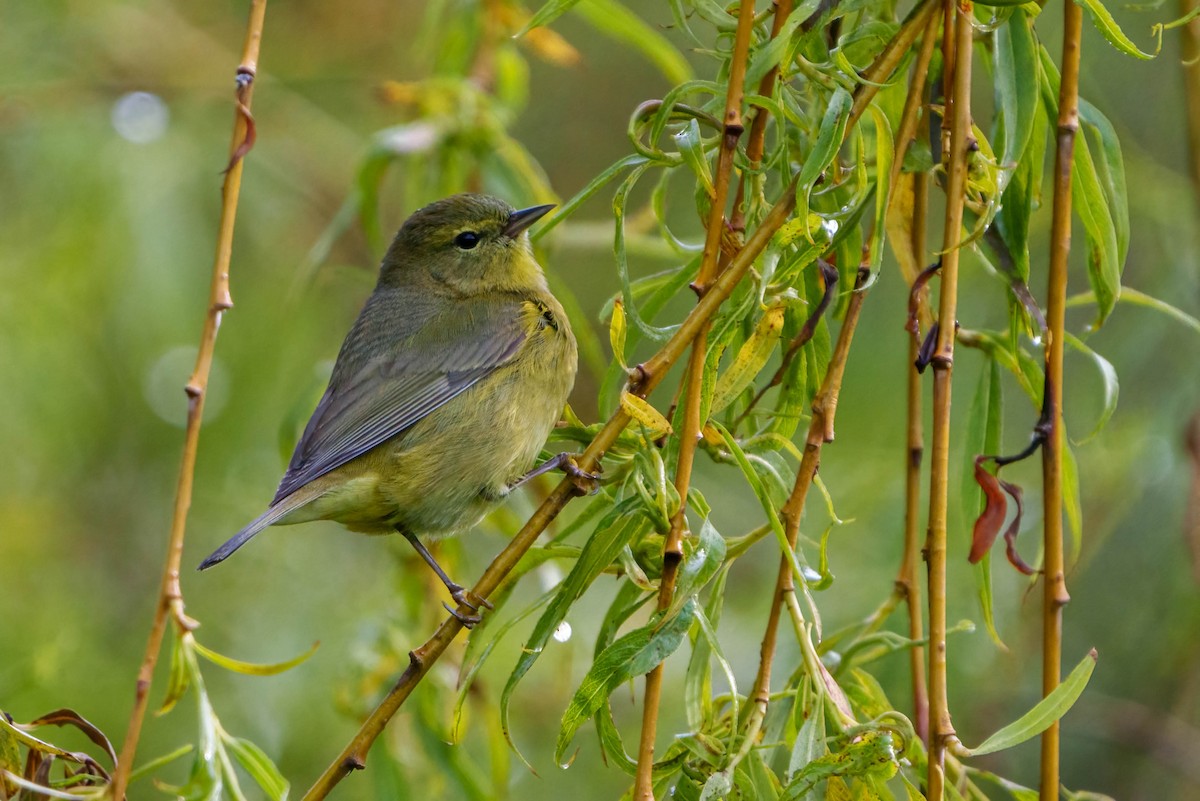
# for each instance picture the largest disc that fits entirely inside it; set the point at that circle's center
(140, 117)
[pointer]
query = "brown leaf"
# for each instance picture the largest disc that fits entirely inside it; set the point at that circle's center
(987, 525)
(69, 717)
(1010, 533)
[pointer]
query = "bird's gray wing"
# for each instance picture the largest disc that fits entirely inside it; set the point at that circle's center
(394, 390)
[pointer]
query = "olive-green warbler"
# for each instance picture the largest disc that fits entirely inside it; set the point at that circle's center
(444, 391)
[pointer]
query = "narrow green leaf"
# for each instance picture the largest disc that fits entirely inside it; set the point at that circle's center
(809, 745)
(472, 662)
(751, 475)
(1136, 298)
(1112, 172)
(259, 766)
(1108, 27)
(703, 556)
(615, 530)
(253, 668)
(1071, 503)
(1111, 386)
(153, 765)
(634, 654)
(1043, 714)
(1016, 88)
(177, 677)
(595, 185)
(824, 149)
(1091, 204)
(691, 147)
(549, 12)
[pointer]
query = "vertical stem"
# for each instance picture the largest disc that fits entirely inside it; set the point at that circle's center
(170, 599)
(914, 453)
(1055, 589)
(820, 431)
(906, 581)
(758, 126)
(941, 729)
(688, 437)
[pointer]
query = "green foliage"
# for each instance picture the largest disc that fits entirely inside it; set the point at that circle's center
(825, 726)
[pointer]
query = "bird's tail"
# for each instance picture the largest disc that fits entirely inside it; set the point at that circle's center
(273, 515)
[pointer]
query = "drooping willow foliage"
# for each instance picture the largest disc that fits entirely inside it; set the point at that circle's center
(806, 156)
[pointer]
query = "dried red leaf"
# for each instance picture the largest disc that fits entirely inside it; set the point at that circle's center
(987, 525)
(1010, 533)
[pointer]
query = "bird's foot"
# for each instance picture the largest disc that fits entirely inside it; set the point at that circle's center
(464, 597)
(585, 483)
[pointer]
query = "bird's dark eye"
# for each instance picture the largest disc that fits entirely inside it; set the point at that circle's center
(467, 240)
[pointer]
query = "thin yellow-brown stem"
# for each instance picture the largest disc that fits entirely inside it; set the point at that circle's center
(907, 585)
(1055, 589)
(821, 424)
(906, 131)
(885, 64)
(820, 431)
(688, 437)
(906, 581)
(1190, 41)
(756, 143)
(170, 599)
(941, 729)
(646, 377)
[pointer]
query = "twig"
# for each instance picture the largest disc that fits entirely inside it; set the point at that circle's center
(755, 144)
(881, 69)
(170, 599)
(906, 580)
(1055, 596)
(820, 431)
(821, 422)
(688, 437)
(645, 378)
(941, 729)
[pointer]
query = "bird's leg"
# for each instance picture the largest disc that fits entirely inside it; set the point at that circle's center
(461, 595)
(587, 483)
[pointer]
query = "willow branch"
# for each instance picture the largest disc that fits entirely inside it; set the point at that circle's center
(820, 431)
(170, 599)
(906, 582)
(755, 144)
(941, 729)
(821, 423)
(645, 378)
(907, 585)
(885, 64)
(1055, 589)
(672, 546)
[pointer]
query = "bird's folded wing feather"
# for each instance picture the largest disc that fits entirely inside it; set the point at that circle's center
(393, 391)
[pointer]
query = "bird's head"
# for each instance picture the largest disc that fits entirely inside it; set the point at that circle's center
(470, 243)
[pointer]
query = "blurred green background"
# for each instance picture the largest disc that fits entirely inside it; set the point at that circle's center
(107, 224)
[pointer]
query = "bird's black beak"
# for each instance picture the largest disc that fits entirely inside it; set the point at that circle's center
(521, 219)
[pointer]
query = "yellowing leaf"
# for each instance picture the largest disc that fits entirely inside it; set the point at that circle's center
(641, 411)
(899, 226)
(751, 357)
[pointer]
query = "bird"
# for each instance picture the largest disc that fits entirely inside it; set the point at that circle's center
(443, 392)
